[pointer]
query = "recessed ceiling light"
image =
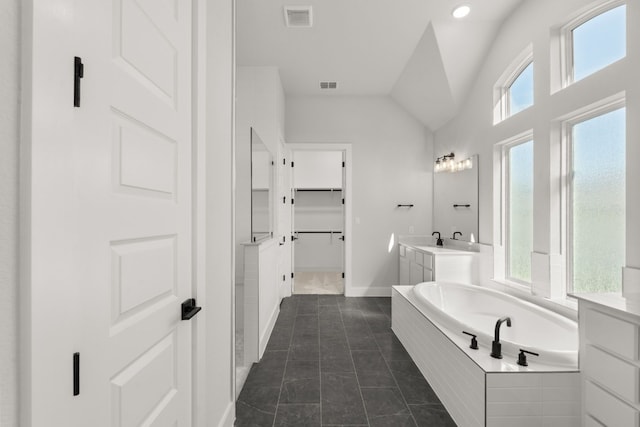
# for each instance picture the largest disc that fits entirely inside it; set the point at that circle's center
(461, 11)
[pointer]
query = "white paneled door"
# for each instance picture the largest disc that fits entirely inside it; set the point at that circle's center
(126, 221)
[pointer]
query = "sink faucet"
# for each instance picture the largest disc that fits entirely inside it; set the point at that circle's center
(454, 234)
(496, 347)
(439, 241)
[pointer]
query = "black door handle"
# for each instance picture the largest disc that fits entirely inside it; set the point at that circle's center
(189, 309)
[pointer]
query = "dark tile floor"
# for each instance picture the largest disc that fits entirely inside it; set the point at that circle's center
(334, 361)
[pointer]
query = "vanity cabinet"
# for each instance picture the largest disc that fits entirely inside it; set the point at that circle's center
(419, 264)
(610, 364)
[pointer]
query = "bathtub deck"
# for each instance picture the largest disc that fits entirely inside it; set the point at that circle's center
(478, 390)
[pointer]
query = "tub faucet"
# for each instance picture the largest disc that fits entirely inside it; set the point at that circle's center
(496, 347)
(439, 241)
(454, 234)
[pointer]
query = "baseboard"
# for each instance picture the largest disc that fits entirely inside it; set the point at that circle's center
(264, 339)
(377, 291)
(229, 417)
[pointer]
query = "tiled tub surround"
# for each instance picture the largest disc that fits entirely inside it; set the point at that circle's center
(334, 361)
(476, 389)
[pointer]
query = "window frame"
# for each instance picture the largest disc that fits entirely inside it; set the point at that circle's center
(503, 148)
(596, 110)
(566, 39)
(502, 87)
(506, 94)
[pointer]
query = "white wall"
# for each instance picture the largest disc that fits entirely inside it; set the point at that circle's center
(259, 105)
(472, 131)
(392, 164)
(215, 234)
(9, 140)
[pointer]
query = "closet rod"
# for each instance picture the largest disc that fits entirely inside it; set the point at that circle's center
(318, 189)
(319, 232)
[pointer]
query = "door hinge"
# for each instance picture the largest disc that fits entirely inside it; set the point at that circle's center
(78, 73)
(293, 201)
(291, 164)
(292, 275)
(284, 277)
(343, 201)
(293, 238)
(284, 199)
(342, 237)
(76, 374)
(343, 275)
(343, 164)
(272, 163)
(284, 161)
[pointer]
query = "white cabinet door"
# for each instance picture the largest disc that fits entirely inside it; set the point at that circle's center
(415, 274)
(427, 275)
(317, 169)
(404, 271)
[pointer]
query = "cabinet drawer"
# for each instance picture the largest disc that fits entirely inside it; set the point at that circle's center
(612, 372)
(402, 250)
(607, 408)
(613, 334)
(427, 261)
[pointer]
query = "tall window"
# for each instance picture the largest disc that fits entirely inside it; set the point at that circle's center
(520, 92)
(519, 204)
(596, 202)
(596, 41)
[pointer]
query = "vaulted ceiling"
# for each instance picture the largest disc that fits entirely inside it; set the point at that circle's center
(413, 50)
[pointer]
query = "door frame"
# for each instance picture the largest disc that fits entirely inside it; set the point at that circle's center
(346, 148)
(213, 141)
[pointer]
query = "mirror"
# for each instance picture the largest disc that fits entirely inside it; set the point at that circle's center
(455, 203)
(261, 189)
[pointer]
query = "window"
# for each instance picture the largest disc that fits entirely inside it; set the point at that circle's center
(595, 41)
(596, 201)
(520, 93)
(513, 91)
(519, 211)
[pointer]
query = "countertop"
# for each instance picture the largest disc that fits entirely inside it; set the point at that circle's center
(437, 250)
(612, 300)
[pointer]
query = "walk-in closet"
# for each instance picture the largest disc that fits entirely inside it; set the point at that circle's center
(318, 222)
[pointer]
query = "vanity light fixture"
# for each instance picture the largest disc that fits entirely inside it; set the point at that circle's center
(447, 163)
(461, 11)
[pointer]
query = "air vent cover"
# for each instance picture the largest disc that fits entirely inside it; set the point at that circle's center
(298, 16)
(328, 85)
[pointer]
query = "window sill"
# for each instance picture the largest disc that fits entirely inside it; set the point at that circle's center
(567, 307)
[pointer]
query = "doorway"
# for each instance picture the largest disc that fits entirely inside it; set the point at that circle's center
(318, 221)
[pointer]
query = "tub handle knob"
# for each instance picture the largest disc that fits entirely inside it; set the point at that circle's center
(522, 357)
(474, 341)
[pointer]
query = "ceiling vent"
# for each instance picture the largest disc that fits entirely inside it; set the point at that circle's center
(298, 16)
(328, 85)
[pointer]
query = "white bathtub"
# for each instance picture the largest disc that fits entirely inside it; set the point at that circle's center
(458, 307)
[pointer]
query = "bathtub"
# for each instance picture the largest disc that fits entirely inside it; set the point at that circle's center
(476, 389)
(459, 307)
